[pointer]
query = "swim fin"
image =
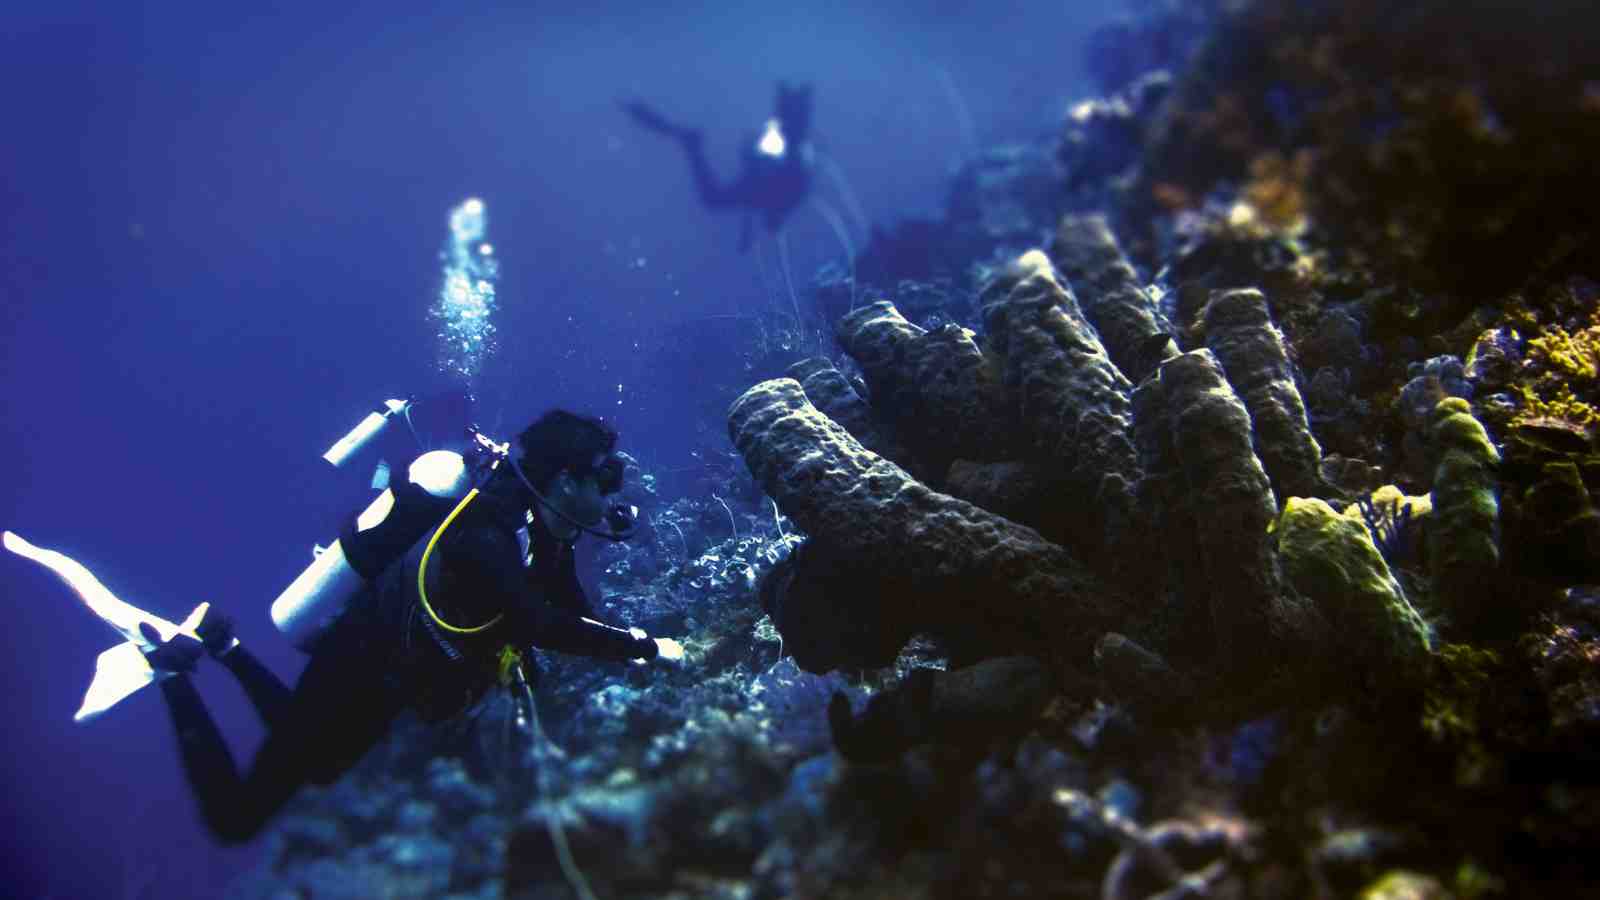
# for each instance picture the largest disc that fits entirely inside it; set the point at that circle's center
(123, 669)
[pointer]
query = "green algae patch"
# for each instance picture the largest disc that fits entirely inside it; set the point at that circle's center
(1330, 559)
(1451, 705)
(1405, 885)
(1463, 533)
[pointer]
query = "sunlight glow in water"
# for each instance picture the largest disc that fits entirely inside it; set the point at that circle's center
(465, 308)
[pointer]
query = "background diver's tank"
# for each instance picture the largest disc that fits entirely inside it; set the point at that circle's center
(397, 518)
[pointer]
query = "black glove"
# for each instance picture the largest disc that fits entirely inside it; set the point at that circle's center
(177, 655)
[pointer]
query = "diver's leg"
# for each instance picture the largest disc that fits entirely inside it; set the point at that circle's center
(336, 712)
(647, 116)
(342, 705)
(206, 758)
(318, 741)
(209, 764)
(267, 692)
(713, 193)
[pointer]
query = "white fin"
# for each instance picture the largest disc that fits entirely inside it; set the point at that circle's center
(121, 670)
(118, 673)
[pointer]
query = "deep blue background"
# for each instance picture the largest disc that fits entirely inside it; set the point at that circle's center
(220, 237)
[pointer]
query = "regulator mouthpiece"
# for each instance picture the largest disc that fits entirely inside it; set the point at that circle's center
(622, 519)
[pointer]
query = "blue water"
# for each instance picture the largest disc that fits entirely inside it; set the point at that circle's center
(221, 236)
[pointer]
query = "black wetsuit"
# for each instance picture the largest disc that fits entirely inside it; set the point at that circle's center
(385, 655)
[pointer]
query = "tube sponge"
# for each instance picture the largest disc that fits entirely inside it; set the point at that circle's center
(1464, 530)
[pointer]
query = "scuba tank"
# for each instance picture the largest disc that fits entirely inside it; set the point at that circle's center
(367, 431)
(406, 508)
(377, 537)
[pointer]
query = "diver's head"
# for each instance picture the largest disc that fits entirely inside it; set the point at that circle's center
(568, 462)
(577, 494)
(793, 110)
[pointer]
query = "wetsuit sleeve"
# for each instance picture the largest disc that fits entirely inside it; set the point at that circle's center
(486, 564)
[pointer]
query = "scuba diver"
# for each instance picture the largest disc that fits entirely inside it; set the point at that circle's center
(775, 167)
(775, 179)
(449, 594)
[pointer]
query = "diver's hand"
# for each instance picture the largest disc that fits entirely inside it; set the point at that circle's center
(663, 650)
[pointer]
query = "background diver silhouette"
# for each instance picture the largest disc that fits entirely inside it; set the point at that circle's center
(383, 655)
(776, 170)
(776, 165)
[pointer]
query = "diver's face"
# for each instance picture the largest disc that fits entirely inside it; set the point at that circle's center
(580, 498)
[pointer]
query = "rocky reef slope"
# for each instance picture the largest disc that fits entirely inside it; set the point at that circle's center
(1202, 507)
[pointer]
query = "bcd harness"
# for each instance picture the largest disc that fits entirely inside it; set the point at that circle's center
(510, 658)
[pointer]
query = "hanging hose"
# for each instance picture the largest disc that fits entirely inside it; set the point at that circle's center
(969, 134)
(528, 717)
(841, 184)
(761, 266)
(831, 216)
(783, 256)
(731, 523)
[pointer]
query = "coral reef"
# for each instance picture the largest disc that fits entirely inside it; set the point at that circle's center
(1178, 456)
(1204, 505)
(1551, 471)
(1417, 123)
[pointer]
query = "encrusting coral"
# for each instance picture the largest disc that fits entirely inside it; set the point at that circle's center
(1552, 522)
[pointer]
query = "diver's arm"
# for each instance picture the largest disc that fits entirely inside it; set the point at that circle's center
(550, 628)
(489, 567)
